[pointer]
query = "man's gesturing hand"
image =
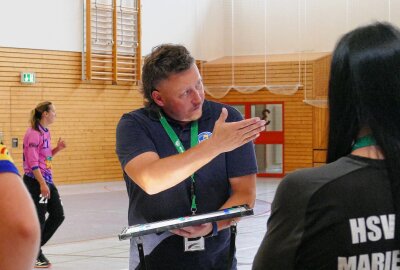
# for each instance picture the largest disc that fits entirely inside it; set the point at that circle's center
(228, 136)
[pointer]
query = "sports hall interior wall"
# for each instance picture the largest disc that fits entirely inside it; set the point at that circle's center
(87, 112)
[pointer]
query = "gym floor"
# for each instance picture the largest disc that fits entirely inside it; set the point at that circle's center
(97, 213)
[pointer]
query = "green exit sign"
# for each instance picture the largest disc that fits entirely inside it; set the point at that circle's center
(28, 77)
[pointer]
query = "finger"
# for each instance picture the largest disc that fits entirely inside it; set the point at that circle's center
(180, 232)
(253, 129)
(250, 136)
(250, 122)
(223, 116)
(188, 229)
(201, 226)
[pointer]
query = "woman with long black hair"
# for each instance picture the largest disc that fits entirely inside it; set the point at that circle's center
(38, 178)
(345, 215)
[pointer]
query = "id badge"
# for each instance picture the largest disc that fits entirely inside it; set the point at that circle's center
(193, 244)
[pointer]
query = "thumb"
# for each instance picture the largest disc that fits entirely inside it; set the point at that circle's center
(223, 115)
(59, 139)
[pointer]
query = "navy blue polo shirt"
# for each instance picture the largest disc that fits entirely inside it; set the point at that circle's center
(140, 131)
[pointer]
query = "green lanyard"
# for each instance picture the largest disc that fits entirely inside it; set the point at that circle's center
(179, 147)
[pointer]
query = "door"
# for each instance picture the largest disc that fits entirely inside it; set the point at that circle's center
(269, 146)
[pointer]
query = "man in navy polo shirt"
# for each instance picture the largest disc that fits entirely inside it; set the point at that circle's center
(182, 155)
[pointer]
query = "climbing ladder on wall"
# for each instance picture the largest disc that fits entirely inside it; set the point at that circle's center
(111, 49)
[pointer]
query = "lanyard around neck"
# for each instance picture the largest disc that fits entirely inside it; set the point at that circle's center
(180, 148)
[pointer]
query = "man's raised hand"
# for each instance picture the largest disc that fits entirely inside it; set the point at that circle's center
(228, 136)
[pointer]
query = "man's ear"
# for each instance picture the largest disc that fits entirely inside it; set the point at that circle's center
(157, 98)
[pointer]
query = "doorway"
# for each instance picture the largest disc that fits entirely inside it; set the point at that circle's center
(269, 146)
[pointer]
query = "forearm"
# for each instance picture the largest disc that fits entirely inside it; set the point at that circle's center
(55, 151)
(38, 176)
(164, 173)
(244, 195)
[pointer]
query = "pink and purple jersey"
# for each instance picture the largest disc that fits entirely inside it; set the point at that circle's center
(38, 153)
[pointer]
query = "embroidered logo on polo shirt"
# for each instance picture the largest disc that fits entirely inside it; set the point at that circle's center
(204, 136)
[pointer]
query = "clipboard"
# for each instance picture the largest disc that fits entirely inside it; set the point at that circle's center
(175, 223)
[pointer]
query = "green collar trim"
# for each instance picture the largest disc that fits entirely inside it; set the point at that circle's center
(364, 141)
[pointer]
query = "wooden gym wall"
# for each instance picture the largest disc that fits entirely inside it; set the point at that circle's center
(87, 112)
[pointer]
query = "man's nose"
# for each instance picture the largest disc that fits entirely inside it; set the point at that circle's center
(196, 97)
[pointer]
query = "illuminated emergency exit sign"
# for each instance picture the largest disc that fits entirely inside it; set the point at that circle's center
(28, 77)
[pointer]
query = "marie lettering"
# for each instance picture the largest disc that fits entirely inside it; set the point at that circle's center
(388, 260)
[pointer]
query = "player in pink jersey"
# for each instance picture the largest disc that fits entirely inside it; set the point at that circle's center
(37, 157)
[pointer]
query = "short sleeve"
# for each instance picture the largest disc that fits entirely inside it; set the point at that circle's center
(132, 139)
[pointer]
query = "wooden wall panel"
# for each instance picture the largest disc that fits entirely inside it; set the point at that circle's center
(320, 128)
(320, 156)
(87, 112)
(321, 77)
